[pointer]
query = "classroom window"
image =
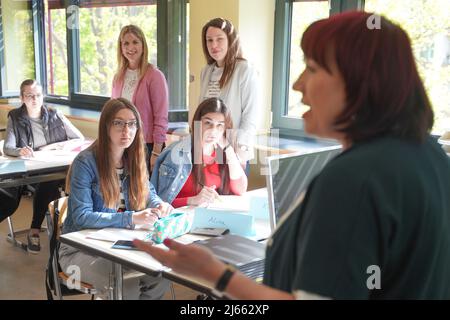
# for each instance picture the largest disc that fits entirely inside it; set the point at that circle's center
(73, 46)
(291, 19)
(17, 51)
(99, 28)
(56, 48)
(427, 23)
(303, 14)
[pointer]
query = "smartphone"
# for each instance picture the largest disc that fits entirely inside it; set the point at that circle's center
(124, 244)
(211, 232)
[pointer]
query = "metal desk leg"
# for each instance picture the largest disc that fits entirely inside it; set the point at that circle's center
(116, 280)
(11, 237)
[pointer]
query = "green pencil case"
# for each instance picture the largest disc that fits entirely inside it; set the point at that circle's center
(172, 226)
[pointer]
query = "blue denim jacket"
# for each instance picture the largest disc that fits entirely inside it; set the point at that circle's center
(172, 169)
(86, 209)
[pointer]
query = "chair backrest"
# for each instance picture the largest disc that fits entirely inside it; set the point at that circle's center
(61, 204)
(57, 213)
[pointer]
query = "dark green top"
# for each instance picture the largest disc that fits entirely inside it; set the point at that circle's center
(385, 203)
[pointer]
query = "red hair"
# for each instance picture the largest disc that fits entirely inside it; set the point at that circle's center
(385, 94)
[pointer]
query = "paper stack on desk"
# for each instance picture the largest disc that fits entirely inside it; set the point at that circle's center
(114, 234)
(231, 203)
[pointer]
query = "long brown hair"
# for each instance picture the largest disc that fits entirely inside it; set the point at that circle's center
(234, 52)
(133, 159)
(210, 105)
(122, 62)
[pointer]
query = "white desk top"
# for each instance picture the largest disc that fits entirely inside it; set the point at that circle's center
(143, 262)
(43, 160)
(49, 158)
(103, 248)
(132, 259)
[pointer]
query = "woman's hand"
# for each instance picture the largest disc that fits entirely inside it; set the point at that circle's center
(196, 261)
(153, 161)
(165, 208)
(192, 260)
(26, 152)
(156, 151)
(206, 196)
(146, 217)
(222, 143)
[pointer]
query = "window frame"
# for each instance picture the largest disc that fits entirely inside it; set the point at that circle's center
(2, 57)
(171, 59)
(288, 126)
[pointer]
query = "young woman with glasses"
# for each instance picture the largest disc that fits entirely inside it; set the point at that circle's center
(109, 187)
(31, 127)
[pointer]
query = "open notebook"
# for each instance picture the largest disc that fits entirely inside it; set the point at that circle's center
(114, 234)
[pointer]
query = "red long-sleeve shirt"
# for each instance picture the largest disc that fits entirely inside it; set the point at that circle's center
(212, 177)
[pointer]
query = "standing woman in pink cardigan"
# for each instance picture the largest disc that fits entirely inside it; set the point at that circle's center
(144, 85)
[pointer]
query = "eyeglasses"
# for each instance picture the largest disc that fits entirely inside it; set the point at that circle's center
(33, 96)
(120, 124)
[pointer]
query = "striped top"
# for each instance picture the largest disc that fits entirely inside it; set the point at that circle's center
(120, 175)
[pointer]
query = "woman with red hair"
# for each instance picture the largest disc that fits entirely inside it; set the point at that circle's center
(375, 223)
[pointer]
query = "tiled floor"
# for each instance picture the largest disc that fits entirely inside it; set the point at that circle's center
(22, 275)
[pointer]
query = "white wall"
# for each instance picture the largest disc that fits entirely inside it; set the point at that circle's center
(256, 28)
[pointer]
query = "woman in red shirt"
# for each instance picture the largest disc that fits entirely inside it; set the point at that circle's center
(195, 170)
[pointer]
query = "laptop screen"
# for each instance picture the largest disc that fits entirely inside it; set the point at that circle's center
(289, 176)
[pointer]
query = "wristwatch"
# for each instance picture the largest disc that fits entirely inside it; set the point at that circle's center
(225, 278)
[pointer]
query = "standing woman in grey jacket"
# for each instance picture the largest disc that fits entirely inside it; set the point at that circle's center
(31, 127)
(230, 77)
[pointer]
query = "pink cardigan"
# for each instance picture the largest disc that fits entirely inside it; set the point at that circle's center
(151, 98)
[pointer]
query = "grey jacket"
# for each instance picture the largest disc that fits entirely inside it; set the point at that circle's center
(19, 131)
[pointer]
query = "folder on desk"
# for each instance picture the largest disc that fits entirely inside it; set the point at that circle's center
(259, 207)
(12, 166)
(239, 223)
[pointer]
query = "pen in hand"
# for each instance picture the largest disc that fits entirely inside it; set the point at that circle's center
(156, 212)
(30, 152)
(213, 190)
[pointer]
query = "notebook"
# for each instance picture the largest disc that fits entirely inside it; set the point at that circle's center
(244, 254)
(12, 166)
